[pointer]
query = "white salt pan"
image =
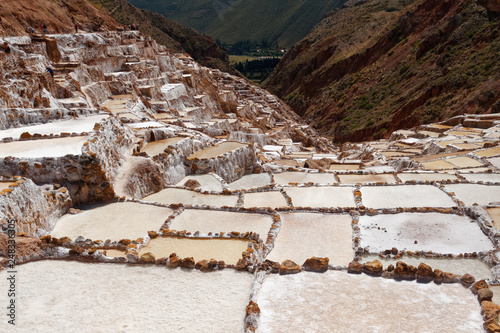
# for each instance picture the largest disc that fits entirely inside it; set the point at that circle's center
(321, 196)
(43, 148)
(474, 193)
(483, 177)
(303, 178)
(341, 302)
(186, 197)
(250, 181)
(405, 196)
(264, 199)
(206, 221)
(440, 233)
(425, 176)
(305, 235)
(123, 220)
(79, 125)
(92, 298)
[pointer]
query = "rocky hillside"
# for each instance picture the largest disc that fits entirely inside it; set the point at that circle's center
(380, 65)
(60, 16)
(283, 21)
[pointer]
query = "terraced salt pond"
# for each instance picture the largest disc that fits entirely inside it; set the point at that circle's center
(483, 177)
(439, 233)
(44, 147)
(337, 301)
(250, 182)
(78, 125)
(206, 221)
(306, 235)
(475, 193)
(6, 185)
(475, 267)
(495, 215)
(422, 177)
(228, 250)
(157, 147)
(186, 197)
(286, 178)
(122, 220)
(316, 197)
(264, 199)
(405, 196)
(217, 150)
(177, 300)
(355, 179)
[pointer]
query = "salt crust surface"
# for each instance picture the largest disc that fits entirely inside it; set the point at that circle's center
(405, 196)
(60, 296)
(340, 302)
(207, 182)
(122, 220)
(425, 176)
(264, 199)
(217, 150)
(158, 147)
(483, 177)
(321, 196)
(440, 233)
(186, 197)
(206, 221)
(303, 177)
(250, 181)
(306, 235)
(79, 125)
(43, 148)
(354, 179)
(229, 250)
(475, 267)
(474, 193)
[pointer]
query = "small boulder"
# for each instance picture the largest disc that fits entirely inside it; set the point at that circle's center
(252, 309)
(405, 271)
(188, 263)
(484, 294)
(355, 267)
(374, 267)
(315, 264)
(424, 273)
(481, 284)
(148, 258)
(467, 280)
(191, 183)
(489, 310)
(491, 326)
(173, 261)
(152, 234)
(289, 267)
(242, 265)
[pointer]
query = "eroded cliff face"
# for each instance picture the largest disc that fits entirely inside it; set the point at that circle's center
(378, 66)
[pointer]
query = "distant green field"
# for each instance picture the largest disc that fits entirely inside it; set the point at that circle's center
(240, 58)
(278, 21)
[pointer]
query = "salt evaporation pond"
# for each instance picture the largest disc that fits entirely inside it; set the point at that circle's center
(122, 220)
(483, 177)
(439, 233)
(78, 125)
(264, 199)
(354, 179)
(228, 250)
(217, 150)
(286, 178)
(475, 193)
(113, 253)
(157, 147)
(475, 267)
(306, 235)
(44, 147)
(92, 298)
(422, 177)
(250, 181)
(186, 197)
(495, 216)
(405, 196)
(6, 185)
(339, 302)
(206, 221)
(321, 196)
(207, 182)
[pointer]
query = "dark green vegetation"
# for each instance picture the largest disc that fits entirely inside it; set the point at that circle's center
(278, 21)
(258, 69)
(373, 68)
(178, 38)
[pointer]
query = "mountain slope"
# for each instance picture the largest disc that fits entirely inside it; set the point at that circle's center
(382, 65)
(202, 48)
(281, 21)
